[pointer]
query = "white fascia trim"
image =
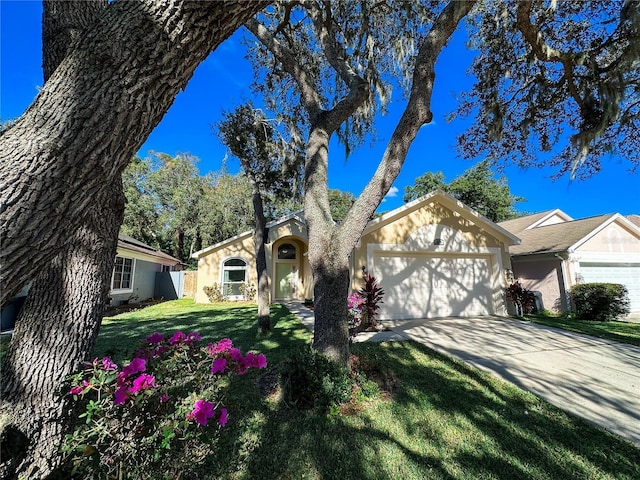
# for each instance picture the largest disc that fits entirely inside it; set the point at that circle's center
(126, 253)
(557, 211)
(609, 257)
(481, 221)
(594, 232)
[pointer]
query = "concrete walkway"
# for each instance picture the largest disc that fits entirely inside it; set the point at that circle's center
(598, 380)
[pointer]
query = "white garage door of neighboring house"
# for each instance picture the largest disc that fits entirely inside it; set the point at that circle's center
(626, 274)
(427, 286)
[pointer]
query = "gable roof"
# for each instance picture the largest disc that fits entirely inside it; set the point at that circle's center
(452, 204)
(297, 215)
(517, 225)
(559, 237)
(130, 243)
(635, 219)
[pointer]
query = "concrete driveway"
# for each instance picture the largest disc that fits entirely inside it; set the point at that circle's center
(598, 380)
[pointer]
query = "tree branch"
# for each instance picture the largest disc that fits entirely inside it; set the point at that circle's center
(417, 113)
(310, 97)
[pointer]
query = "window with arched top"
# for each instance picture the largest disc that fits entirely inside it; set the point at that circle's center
(234, 275)
(286, 251)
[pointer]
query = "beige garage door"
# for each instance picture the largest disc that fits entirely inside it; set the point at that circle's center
(427, 286)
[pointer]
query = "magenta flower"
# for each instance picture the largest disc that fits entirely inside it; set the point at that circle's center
(154, 338)
(120, 396)
(202, 411)
(164, 398)
(178, 337)
(193, 337)
(108, 364)
(218, 366)
(235, 354)
(261, 361)
(222, 346)
(143, 382)
(224, 417)
(136, 365)
(77, 390)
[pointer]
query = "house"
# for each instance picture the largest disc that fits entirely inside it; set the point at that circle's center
(557, 252)
(136, 271)
(433, 257)
(137, 276)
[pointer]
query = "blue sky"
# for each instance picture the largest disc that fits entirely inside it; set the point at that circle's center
(222, 82)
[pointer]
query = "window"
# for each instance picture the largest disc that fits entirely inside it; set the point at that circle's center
(122, 273)
(234, 274)
(286, 251)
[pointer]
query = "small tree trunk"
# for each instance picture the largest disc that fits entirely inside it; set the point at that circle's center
(264, 320)
(55, 332)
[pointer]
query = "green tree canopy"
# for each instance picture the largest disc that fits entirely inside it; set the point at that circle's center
(172, 207)
(477, 188)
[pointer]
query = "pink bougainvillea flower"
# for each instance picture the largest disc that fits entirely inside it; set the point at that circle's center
(143, 382)
(108, 364)
(120, 396)
(193, 337)
(164, 398)
(77, 390)
(261, 360)
(224, 417)
(154, 338)
(235, 354)
(178, 337)
(222, 346)
(136, 365)
(202, 411)
(218, 366)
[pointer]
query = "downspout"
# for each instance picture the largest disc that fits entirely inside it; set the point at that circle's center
(565, 284)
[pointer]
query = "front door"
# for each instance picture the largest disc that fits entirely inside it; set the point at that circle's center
(286, 280)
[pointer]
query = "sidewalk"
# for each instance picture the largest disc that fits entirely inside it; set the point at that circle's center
(306, 317)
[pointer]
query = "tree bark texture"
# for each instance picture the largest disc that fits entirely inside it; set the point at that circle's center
(93, 114)
(264, 320)
(54, 333)
(50, 296)
(62, 26)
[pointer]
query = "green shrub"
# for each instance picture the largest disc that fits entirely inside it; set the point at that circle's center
(599, 301)
(249, 291)
(310, 380)
(214, 293)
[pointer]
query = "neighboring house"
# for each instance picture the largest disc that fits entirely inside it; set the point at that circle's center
(557, 252)
(434, 257)
(137, 276)
(135, 273)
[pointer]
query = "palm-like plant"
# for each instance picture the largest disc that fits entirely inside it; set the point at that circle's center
(372, 295)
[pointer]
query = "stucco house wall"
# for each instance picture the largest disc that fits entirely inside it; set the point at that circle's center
(452, 260)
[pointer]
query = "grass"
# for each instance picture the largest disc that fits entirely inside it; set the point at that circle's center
(624, 332)
(445, 420)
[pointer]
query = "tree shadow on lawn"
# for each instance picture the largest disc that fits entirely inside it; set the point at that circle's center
(446, 421)
(121, 336)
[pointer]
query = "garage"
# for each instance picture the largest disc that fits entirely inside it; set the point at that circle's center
(627, 274)
(432, 285)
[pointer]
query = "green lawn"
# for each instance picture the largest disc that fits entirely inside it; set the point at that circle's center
(445, 420)
(625, 332)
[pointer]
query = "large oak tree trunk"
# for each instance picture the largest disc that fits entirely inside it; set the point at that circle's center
(92, 115)
(49, 172)
(328, 255)
(54, 333)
